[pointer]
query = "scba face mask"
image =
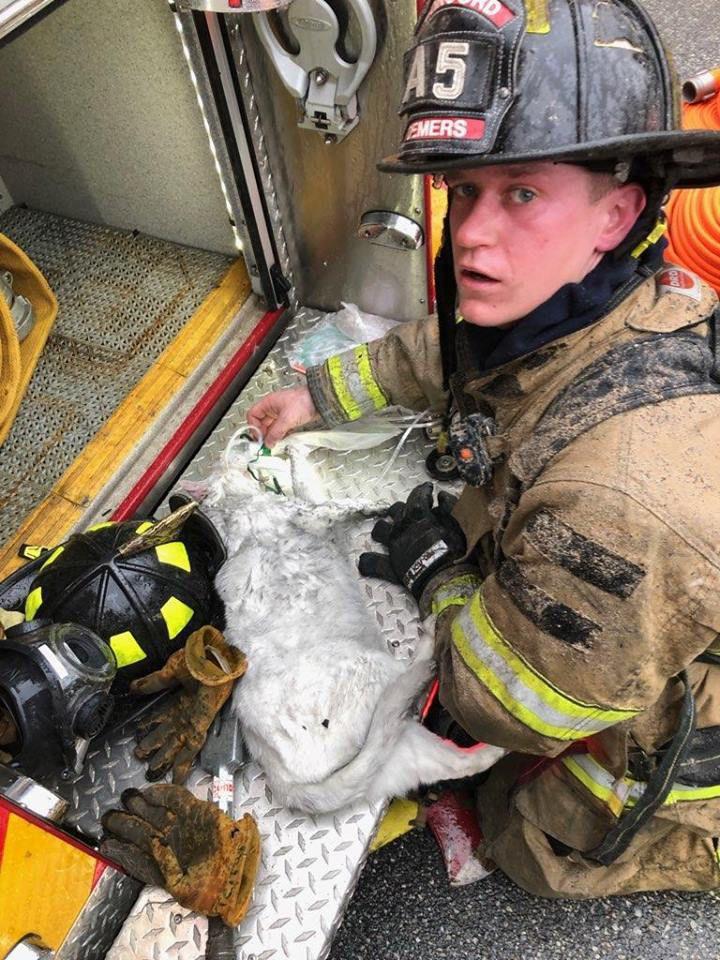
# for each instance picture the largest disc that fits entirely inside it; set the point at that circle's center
(54, 685)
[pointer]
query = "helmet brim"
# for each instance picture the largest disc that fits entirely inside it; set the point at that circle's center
(690, 158)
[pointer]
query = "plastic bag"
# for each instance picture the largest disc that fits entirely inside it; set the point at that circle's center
(336, 333)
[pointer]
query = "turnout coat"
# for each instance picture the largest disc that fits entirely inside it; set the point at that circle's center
(594, 582)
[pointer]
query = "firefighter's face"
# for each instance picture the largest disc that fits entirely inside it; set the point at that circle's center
(520, 232)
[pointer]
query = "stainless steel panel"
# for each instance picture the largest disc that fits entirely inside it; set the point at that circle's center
(101, 919)
(310, 864)
(323, 189)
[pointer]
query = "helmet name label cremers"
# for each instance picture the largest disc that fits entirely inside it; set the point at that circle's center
(446, 128)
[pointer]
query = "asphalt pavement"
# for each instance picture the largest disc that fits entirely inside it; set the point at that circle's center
(404, 908)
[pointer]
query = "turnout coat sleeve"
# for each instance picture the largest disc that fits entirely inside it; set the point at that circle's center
(597, 603)
(403, 368)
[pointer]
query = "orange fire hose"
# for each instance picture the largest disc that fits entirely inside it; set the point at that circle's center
(694, 215)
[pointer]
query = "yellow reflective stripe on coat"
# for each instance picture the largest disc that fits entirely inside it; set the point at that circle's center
(622, 793)
(356, 389)
(525, 693)
(455, 592)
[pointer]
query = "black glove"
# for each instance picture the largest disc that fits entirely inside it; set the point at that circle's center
(421, 540)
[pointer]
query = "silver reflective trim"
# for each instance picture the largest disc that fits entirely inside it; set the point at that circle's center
(15, 12)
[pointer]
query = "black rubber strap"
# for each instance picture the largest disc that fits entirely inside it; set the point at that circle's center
(714, 321)
(658, 786)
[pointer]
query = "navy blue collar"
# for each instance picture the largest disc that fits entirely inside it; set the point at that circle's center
(572, 307)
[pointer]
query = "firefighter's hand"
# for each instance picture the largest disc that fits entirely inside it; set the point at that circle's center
(280, 412)
(422, 539)
(205, 860)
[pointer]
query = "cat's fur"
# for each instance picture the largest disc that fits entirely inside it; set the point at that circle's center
(324, 705)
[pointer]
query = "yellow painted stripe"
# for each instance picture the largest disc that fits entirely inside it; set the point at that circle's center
(33, 601)
(368, 380)
(176, 615)
(126, 649)
(346, 400)
(175, 554)
(64, 506)
(44, 883)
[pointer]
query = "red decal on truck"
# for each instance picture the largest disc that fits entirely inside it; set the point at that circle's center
(445, 128)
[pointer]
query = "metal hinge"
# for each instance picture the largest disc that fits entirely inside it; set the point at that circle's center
(324, 84)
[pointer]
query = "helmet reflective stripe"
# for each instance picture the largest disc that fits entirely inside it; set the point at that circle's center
(33, 602)
(174, 553)
(176, 615)
(525, 693)
(126, 649)
(145, 525)
(538, 16)
(53, 556)
(101, 526)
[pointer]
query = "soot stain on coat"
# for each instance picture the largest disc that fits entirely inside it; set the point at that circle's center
(539, 359)
(550, 616)
(633, 374)
(504, 387)
(582, 557)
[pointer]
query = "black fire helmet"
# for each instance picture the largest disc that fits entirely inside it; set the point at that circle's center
(144, 605)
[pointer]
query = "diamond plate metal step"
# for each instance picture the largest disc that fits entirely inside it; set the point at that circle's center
(310, 864)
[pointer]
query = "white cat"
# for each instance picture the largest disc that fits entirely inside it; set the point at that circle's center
(324, 706)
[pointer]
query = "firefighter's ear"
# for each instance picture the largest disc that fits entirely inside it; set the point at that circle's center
(622, 205)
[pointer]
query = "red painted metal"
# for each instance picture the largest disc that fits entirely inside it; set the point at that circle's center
(147, 482)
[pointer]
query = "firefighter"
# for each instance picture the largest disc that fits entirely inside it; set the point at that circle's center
(576, 583)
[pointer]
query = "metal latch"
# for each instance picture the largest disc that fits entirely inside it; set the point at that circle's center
(390, 229)
(324, 84)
